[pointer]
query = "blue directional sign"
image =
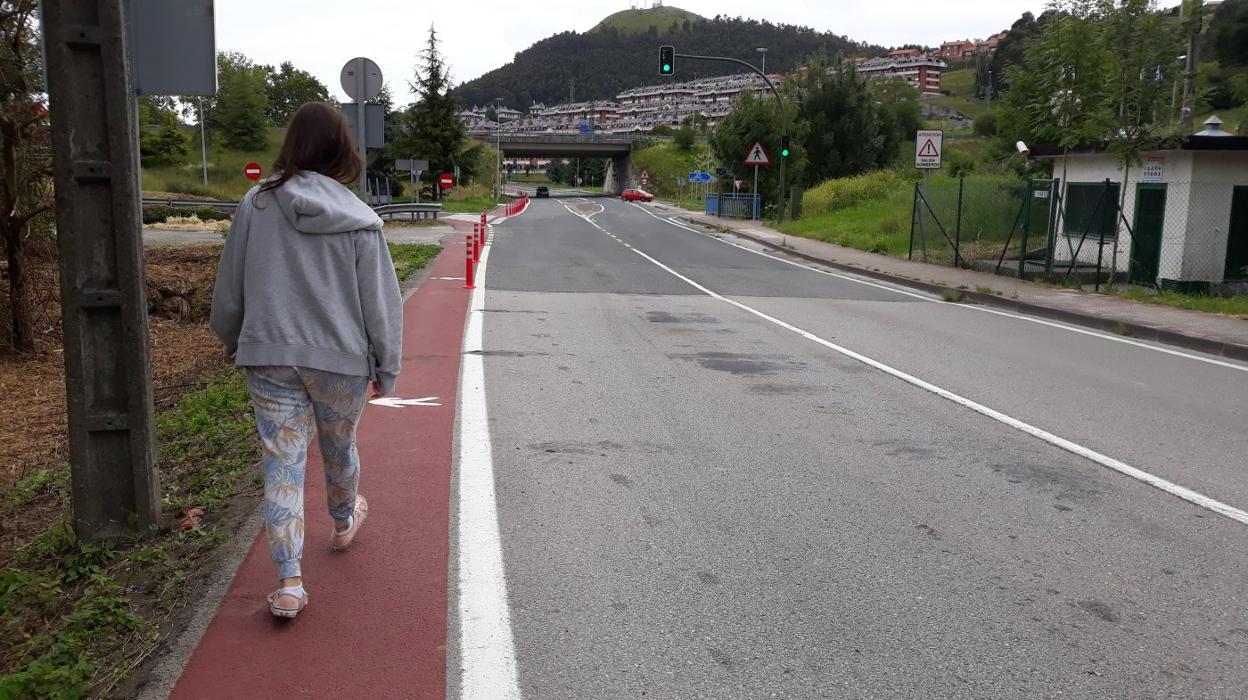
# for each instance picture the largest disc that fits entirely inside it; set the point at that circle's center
(699, 176)
(587, 128)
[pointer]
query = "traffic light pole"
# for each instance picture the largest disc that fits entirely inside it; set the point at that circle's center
(784, 115)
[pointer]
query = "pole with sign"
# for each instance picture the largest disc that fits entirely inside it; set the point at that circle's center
(757, 157)
(361, 79)
(928, 148)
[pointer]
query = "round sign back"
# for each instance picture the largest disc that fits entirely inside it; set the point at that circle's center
(361, 79)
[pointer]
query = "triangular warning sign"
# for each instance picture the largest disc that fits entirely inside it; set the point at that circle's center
(757, 156)
(929, 150)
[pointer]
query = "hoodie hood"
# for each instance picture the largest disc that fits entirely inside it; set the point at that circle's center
(314, 203)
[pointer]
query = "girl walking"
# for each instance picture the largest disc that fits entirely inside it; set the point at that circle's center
(307, 302)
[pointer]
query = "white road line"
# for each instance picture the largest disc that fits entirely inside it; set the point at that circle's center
(969, 307)
(487, 651)
(1169, 487)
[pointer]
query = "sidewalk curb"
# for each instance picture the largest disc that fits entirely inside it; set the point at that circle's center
(1229, 350)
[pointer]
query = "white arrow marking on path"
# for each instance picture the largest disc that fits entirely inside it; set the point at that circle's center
(391, 402)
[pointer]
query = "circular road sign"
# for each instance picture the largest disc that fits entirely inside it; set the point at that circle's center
(253, 171)
(361, 79)
(447, 181)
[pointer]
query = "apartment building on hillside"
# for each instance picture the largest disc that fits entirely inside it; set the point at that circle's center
(923, 72)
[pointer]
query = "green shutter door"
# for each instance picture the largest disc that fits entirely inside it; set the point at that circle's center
(1150, 221)
(1237, 241)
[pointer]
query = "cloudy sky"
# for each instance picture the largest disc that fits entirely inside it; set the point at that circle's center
(480, 35)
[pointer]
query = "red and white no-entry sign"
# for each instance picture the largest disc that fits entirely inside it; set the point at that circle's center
(447, 181)
(253, 171)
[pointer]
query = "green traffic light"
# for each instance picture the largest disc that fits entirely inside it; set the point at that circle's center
(667, 68)
(785, 153)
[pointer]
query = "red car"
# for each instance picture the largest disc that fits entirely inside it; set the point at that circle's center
(636, 195)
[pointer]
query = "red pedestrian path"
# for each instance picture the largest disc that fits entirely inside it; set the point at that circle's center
(375, 625)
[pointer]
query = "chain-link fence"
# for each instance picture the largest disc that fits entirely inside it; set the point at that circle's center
(969, 222)
(1187, 237)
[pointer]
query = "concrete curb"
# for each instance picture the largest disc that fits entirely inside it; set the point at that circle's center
(1229, 350)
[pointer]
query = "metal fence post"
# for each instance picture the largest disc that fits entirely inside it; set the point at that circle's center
(914, 215)
(957, 236)
(108, 380)
(1056, 203)
(1022, 254)
(1100, 248)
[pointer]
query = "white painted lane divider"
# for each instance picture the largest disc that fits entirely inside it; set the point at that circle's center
(392, 402)
(969, 307)
(487, 654)
(1169, 487)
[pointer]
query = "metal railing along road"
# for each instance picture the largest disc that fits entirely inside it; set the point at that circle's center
(414, 211)
(387, 212)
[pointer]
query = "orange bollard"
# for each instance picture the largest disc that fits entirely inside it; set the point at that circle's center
(478, 241)
(468, 276)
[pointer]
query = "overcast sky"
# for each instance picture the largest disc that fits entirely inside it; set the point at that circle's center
(481, 35)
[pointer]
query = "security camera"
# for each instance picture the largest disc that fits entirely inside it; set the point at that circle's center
(1023, 149)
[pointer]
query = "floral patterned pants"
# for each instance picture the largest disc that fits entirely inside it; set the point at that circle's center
(291, 404)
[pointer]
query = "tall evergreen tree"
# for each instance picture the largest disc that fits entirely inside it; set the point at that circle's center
(431, 127)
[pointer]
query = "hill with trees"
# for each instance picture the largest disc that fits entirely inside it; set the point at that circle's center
(622, 53)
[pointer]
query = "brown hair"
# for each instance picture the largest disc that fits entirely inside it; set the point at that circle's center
(317, 140)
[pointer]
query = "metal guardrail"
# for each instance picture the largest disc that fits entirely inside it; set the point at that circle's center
(386, 211)
(189, 203)
(413, 211)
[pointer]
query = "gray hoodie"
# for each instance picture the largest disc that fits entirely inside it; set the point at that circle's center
(306, 280)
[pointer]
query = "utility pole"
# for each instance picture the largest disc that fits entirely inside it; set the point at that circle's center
(203, 140)
(1193, 24)
(103, 297)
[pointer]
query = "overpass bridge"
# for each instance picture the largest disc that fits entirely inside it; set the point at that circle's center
(617, 147)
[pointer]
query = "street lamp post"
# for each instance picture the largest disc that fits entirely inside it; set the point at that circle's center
(498, 145)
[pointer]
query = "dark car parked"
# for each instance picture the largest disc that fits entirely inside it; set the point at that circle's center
(543, 191)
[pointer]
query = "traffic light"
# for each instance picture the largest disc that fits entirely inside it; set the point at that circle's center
(667, 60)
(784, 146)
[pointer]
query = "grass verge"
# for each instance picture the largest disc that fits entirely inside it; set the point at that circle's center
(410, 257)
(1235, 307)
(77, 617)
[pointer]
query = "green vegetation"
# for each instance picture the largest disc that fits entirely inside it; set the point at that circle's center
(846, 192)
(410, 257)
(667, 163)
(78, 617)
(640, 21)
(225, 170)
(960, 84)
(1236, 307)
(870, 212)
(239, 110)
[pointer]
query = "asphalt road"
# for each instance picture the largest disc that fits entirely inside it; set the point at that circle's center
(703, 499)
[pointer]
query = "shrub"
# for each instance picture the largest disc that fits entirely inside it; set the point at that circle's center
(986, 125)
(845, 192)
(959, 163)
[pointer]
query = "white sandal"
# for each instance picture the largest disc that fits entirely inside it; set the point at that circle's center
(341, 540)
(296, 592)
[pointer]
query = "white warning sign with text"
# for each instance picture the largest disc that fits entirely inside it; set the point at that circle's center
(927, 149)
